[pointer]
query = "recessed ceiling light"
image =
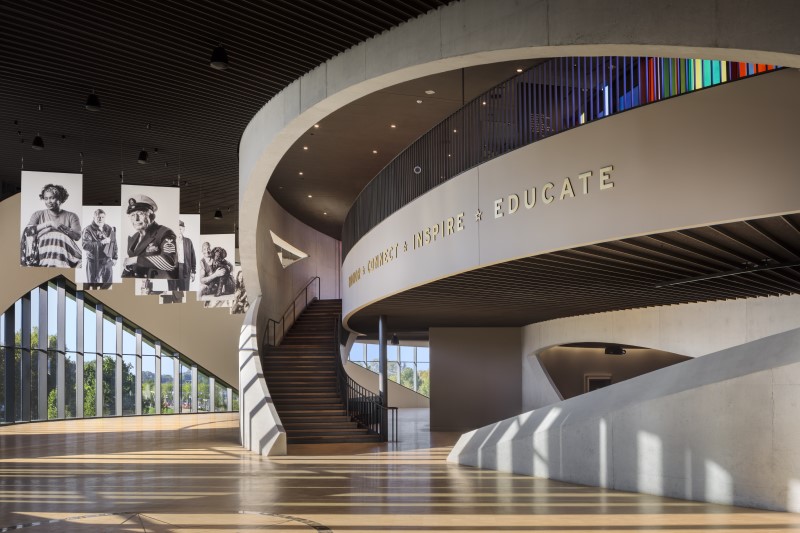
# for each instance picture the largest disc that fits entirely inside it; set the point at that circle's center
(316, 125)
(305, 147)
(393, 126)
(455, 131)
(519, 70)
(448, 155)
(483, 103)
(374, 151)
(419, 101)
(309, 196)
(301, 172)
(325, 213)
(430, 91)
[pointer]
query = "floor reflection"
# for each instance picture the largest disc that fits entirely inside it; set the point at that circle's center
(187, 473)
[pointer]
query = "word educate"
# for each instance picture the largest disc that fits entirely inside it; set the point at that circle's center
(547, 193)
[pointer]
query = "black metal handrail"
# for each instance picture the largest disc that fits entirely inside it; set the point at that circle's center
(362, 405)
(273, 325)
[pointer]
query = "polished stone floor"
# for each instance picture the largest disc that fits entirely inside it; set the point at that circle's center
(187, 473)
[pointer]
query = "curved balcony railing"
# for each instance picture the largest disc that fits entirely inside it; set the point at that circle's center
(552, 97)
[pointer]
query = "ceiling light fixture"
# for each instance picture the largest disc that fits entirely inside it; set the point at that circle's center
(419, 101)
(305, 147)
(38, 143)
(430, 91)
(300, 173)
(218, 214)
(393, 126)
(92, 102)
(219, 59)
(309, 196)
(374, 151)
(142, 157)
(519, 70)
(316, 125)
(325, 213)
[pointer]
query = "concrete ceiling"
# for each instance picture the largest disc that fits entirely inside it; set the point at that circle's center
(736, 260)
(337, 159)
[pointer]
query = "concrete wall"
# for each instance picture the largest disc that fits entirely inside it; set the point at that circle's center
(721, 428)
(715, 180)
(399, 396)
(207, 336)
(474, 376)
(278, 285)
(568, 366)
(688, 329)
(473, 32)
(260, 427)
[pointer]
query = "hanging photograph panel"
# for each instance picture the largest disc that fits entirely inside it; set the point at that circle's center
(101, 242)
(149, 230)
(215, 269)
(50, 219)
(240, 304)
(188, 253)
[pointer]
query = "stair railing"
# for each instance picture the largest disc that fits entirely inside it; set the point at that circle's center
(274, 328)
(362, 405)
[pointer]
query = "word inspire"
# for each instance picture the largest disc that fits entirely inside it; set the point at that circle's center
(440, 230)
(548, 195)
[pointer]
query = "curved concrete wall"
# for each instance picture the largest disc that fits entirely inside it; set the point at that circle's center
(260, 428)
(474, 32)
(688, 329)
(279, 286)
(684, 162)
(207, 336)
(720, 428)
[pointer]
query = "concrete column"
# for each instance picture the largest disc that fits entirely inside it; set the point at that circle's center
(383, 375)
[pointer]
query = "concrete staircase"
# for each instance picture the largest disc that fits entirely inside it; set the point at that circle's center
(301, 377)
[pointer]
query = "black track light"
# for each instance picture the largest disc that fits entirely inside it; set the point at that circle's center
(142, 157)
(92, 102)
(219, 58)
(395, 340)
(218, 214)
(38, 143)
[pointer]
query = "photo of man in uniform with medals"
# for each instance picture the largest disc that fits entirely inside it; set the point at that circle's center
(152, 249)
(99, 241)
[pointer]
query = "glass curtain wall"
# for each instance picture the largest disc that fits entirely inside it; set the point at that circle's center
(65, 355)
(407, 365)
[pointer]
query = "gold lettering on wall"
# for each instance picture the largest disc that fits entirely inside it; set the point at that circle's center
(547, 199)
(505, 205)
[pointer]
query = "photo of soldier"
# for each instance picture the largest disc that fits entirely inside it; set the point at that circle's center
(152, 250)
(99, 242)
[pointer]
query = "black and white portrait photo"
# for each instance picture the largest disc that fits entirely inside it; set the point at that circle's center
(150, 287)
(100, 241)
(150, 232)
(215, 269)
(240, 304)
(188, 235)
(50, 219)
